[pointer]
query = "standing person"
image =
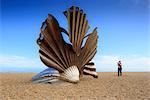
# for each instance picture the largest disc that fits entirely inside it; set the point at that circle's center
(119, 68)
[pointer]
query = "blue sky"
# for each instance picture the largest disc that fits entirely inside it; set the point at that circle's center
(123, 28)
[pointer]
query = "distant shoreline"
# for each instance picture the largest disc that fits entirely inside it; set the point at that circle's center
(39, 72)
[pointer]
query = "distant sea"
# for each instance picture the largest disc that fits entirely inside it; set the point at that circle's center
(39, 69)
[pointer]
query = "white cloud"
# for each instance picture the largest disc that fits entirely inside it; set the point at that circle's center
(130, 63)
(103, 63)
(18, 61)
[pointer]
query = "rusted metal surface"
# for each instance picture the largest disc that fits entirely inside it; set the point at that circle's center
(55, 52)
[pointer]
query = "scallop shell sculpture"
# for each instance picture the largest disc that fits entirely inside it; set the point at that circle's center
(90, 69)
(71, 74)
(49, 75)
(68, 59)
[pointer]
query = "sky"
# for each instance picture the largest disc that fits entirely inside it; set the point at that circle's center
(123, 30)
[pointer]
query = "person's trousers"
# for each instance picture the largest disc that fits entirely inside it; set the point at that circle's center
(119, 71)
